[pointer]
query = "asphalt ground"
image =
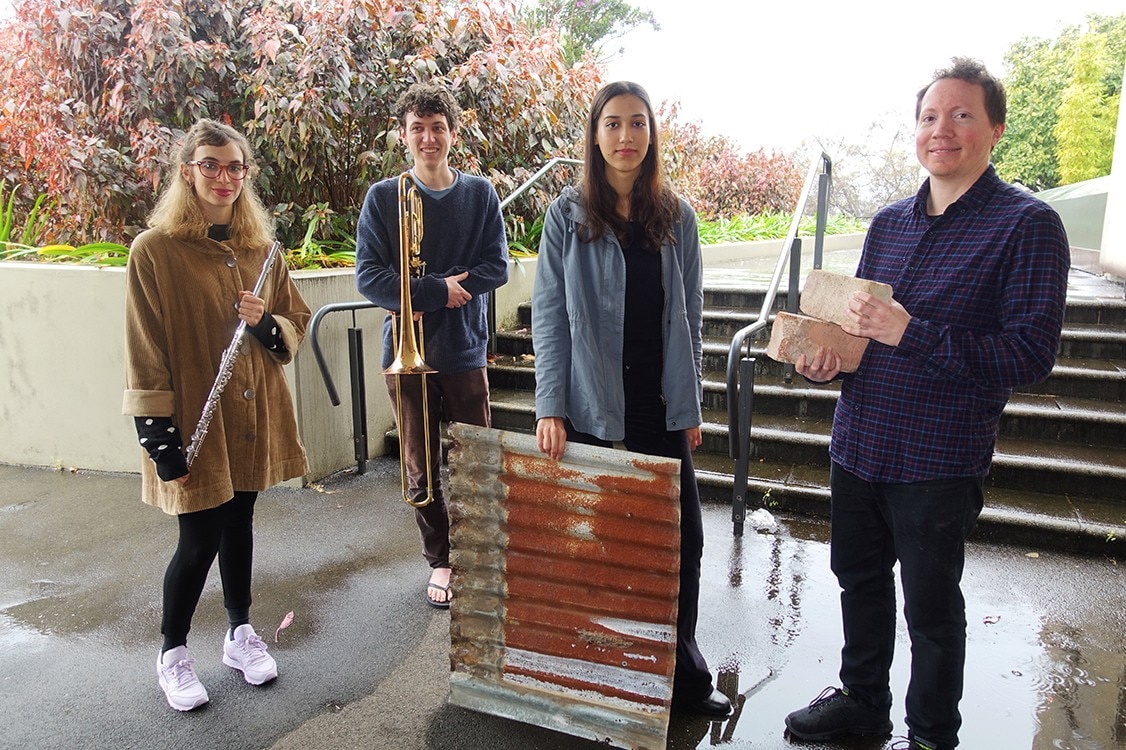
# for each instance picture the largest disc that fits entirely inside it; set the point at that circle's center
(365, 662)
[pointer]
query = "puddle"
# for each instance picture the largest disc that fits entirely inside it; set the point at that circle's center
(1043, 669)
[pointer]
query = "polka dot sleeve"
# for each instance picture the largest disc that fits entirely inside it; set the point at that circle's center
(161, 438)
(269, 334)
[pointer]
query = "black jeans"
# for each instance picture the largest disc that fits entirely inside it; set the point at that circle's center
(226, 531)
(646, 433)
(924, 526)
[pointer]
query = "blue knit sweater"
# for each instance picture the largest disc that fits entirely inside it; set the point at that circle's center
(462, 231)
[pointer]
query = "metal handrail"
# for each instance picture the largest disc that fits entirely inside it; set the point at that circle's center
(491, 309)
(532, 180)
(740, 368)
(314, 341)
(743, 335)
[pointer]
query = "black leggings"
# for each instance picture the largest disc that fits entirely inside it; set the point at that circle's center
(226, 531)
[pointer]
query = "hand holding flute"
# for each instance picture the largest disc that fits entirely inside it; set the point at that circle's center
(250, 307)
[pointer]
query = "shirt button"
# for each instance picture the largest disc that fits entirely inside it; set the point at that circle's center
(231, 262)
(248, 394)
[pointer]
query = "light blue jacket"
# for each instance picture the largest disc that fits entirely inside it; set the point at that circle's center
(578, 322)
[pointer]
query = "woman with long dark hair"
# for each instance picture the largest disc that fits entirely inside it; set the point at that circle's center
(616, 326)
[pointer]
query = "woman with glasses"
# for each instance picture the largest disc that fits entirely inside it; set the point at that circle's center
(187, 290)
(616, 327)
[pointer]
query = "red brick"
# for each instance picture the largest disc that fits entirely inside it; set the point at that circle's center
(794, 335)
(826, 294)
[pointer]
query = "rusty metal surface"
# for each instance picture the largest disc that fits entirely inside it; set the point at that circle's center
(565, 585)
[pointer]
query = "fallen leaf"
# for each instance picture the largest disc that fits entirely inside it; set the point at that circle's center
(1033, 554)
(528, 357)
(991, 619)
(284, 624)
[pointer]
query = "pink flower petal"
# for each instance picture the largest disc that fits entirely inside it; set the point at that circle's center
(284, 624)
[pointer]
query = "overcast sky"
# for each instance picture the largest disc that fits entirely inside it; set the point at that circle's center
(774, 74)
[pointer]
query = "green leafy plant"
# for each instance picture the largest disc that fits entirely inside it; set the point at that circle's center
(586, 26)
(770, 226)
(1063, 96)
(93, 101)
(92, 253)
(525, 242)
(337, 248)
(37, 219)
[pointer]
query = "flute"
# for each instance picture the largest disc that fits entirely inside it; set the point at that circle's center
(227, 365)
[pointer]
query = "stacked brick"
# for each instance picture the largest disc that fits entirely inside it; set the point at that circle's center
(824, 302)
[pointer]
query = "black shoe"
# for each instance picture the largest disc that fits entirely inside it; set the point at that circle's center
(835, 713)
(716, 705)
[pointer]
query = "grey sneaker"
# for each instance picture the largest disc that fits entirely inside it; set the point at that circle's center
(834, 713)
(175, 671)
(246, 652)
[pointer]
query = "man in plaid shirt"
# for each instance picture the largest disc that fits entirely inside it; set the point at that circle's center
(979, 272)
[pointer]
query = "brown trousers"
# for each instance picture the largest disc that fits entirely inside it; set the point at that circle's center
(458, 397)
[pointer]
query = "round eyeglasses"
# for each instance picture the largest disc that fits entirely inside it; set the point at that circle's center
(212, 169)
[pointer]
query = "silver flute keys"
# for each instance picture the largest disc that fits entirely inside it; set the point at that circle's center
(227, 364)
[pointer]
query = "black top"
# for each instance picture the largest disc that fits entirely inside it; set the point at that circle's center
(645, 303)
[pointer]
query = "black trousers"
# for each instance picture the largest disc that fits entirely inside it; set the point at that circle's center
(923, 526)
(646, 433)
(226, 531)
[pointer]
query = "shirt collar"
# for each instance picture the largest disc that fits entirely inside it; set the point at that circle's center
(973, 199)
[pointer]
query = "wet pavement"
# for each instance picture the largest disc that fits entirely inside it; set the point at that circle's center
(365, 662)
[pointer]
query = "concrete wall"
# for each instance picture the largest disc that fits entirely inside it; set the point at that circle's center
(62, 371)
(1082, 208)
(62, 363)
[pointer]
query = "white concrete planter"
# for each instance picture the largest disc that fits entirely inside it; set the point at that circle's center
(62, 363)
(62, 370)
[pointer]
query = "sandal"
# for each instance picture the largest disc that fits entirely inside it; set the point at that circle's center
(437, 604)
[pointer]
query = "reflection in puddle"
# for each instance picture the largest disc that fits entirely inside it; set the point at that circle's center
(1078, 685)
(14, 635)
(1046, 642)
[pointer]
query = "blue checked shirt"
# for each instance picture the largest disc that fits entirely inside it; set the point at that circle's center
(985, 284)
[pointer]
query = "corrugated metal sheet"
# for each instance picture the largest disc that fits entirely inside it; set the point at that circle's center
(565, 585)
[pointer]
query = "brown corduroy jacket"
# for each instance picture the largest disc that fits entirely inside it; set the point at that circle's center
(179, 318)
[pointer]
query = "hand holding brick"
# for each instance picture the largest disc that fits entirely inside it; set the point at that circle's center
(824, 301)
(826, 294)
(792, 335)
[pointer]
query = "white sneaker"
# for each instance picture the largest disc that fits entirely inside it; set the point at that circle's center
(175, 671)
(246, 652)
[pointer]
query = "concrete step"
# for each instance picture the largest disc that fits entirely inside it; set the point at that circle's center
(1049, 465)
(1058, 470)
(1055, 417)
(1091, 363)
(1041, 520)
(744, 305)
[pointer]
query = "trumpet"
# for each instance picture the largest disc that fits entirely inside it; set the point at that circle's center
(410, 347)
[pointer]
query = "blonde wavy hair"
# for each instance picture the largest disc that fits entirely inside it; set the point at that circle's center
(177, 212)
